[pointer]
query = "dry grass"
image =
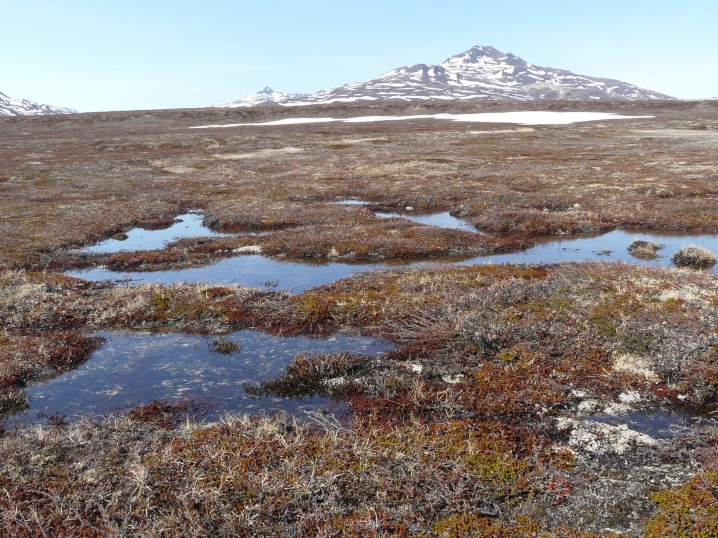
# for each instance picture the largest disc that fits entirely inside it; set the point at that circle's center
(695, 257)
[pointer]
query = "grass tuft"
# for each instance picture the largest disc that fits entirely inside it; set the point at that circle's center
(694, 257)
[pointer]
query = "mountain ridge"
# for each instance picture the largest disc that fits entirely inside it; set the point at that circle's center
(24, 107)
(480, 72)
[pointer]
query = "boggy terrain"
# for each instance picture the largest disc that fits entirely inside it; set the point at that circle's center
(565, 400)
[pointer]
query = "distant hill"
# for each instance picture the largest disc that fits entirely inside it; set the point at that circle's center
(480, 72)
(267, 96)
(23, 107)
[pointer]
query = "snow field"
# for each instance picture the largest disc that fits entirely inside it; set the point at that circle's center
(520, 118)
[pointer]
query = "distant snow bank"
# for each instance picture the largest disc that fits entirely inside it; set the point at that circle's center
(537, 117)
(521, 118)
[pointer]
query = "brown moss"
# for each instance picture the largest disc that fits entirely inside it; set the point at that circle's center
(532, 223)
(324, 375)
(165, 415)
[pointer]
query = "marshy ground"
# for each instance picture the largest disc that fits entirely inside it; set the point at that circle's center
(574, 399)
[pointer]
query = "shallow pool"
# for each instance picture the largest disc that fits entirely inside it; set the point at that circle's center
(188, 225)
(442, 220)
(611, 246)
(249, 270)
(132, 369)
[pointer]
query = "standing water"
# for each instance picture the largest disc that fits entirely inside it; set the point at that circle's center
(133, 369)
(298, 276)
(442, 220)
(188, 225)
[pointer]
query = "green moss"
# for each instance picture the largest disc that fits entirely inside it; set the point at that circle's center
(501, 473)
(690, 511)
(478, 525)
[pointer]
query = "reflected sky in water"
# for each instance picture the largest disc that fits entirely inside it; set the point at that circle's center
(189, 225)
(296, 276)
(133, 368)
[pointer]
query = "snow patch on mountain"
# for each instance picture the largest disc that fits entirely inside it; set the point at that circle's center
(23, 107)
(482, 72)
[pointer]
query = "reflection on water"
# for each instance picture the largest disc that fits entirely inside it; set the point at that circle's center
(351, 202)
(611, 246)
(659, 425)
(251, 270)
(189, 225)
(295, 276)
(443, 219)
(133, 369)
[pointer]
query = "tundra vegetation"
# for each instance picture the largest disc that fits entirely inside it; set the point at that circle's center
(644, 249)
(693, 256)
(504, 409)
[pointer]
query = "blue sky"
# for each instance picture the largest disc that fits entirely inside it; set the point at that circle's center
(124, 55)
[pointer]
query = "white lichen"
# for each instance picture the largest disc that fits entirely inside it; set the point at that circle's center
(599, 439)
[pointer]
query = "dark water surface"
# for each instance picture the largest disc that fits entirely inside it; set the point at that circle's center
(659, 425)
(132, 369)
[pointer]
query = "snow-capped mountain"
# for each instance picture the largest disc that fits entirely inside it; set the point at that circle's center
(480, 72)
(23, 107)
(267, 96)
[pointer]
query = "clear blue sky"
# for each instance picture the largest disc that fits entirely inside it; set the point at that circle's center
(123, 55)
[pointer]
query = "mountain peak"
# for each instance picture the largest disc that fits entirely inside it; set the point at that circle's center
(484, 50)
(476, 54)
(265, 96)
(482, 72)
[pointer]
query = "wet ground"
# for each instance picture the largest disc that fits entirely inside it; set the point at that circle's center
(658, 425)
(131, 369)
(249, 270)
(296, 276)
(68, 181)
(443, 219)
